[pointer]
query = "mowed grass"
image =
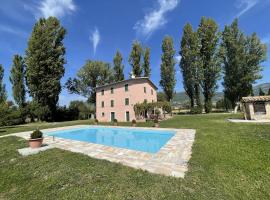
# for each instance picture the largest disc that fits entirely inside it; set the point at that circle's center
(229, 161)
(39, 125)
(45, 125)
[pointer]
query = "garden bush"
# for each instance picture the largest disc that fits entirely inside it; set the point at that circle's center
(196, 110)
(36, 134)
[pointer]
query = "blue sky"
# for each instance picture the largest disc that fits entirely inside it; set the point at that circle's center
(97, 28)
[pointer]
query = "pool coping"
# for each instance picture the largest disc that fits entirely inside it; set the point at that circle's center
(171, 160)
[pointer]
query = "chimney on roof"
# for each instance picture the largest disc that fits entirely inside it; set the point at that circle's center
(132, 75)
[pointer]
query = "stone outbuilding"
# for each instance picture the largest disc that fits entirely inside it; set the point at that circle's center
(256, 108)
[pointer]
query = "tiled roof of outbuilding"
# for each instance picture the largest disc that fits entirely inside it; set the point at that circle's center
(256, 98)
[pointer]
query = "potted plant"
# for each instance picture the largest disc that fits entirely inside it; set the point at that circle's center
(36, 139)
(96, 122)
(115, 122)
(156, 122)
(134, 122)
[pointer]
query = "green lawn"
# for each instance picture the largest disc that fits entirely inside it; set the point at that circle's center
(229, 161)
(43, 125)
(40, 125)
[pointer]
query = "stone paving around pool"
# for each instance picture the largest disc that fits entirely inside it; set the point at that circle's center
(171, 160)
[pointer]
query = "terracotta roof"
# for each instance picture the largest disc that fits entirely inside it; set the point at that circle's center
(127, 80)
(256, 98)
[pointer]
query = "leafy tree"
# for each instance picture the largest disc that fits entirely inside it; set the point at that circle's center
(161, 96)
(190, 65)
(17, 78)
(135, 58)
(118, 67)
(3, 92)
(268, 92)
(209, 58)
(45, 64)
(36, 110)
(10, 114)
(83, 109)
(241, 57)
(167, 68)
(261, 92)
(91, 75)
(146, 63)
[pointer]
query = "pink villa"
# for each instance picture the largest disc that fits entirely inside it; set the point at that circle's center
(116, 100)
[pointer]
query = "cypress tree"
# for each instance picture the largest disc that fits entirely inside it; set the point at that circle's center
(3, 92)
(190, 65)
(135, 58)
(167, 68)
(17, 79)
(118, 67)
(146, 63)
(209, 58)
(261, 92)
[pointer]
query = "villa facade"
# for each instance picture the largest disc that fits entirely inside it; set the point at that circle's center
(116, 100)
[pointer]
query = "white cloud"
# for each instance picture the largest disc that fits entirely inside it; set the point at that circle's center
(156, 18)
(55, 8)
(245, 6)
(12, 30)
(95, 39)
(178, 58)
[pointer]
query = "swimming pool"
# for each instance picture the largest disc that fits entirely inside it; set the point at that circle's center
(146, 140)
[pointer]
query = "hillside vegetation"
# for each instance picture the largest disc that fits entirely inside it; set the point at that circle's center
(181, 97)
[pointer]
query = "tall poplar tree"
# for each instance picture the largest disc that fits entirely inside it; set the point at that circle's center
(17, 79)
(45, 64)
(209, 58)
(118, 67)
(242, 57)
(167, 68)
(190, 65)
(146, 63)
(3, 92)
(135, 58)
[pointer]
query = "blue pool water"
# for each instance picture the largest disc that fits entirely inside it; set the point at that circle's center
(135, 139)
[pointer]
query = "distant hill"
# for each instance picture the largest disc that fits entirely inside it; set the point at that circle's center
(265, 87)
(181, 97)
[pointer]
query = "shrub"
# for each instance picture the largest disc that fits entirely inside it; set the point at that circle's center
(38, 111)
(10, 116)
(96, 120)
(156, 121)
(208, 107)
(36, 134)
(14, 118)
(157, 112)
(196, 110)
(167, 107)
(133, 121)
(115, 121)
